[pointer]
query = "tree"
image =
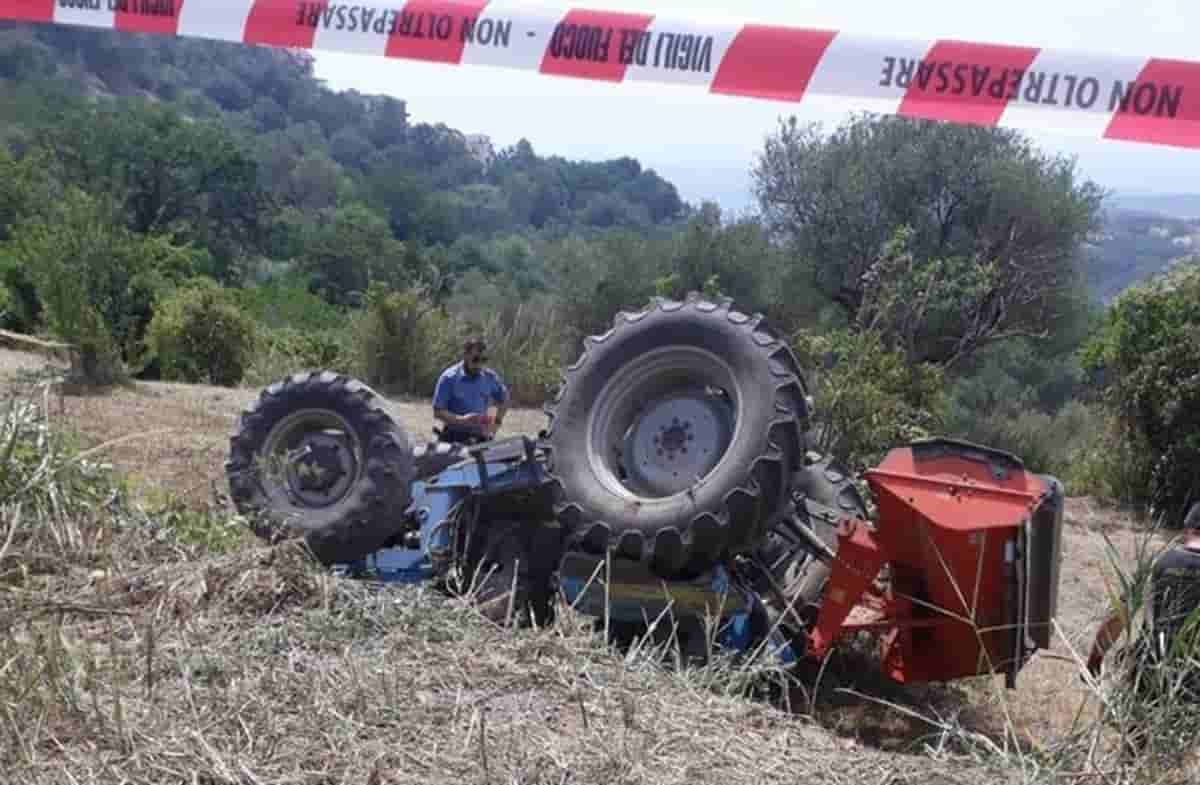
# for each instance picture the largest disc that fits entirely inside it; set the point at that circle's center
(944, 309)
(735, 257)
(595, 279)
(97, 280)
(1148, 348)
(351, 247)
(978, 203)
(167, 174)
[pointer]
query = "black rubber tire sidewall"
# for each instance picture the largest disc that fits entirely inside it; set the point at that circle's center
(371, 512)
(687, 533)
(804, 577)
(526, 551)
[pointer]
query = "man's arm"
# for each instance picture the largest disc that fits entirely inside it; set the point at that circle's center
(1106, 636)
(460, 420)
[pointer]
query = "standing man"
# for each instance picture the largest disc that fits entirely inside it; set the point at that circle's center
(463, 393)
(1171, 603)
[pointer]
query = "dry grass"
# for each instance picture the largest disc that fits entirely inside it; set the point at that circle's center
(152, 646)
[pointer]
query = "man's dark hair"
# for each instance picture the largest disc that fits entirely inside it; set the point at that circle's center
(474, 342)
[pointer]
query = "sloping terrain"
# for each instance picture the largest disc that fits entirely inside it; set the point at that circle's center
(212, 659)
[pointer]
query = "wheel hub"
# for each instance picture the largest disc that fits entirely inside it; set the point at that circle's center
(320, 469)
(312, 457)
(675, 442)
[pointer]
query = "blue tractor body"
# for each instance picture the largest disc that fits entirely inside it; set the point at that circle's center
(634, 597)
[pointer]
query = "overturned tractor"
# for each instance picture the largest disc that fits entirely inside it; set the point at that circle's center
(674, 479)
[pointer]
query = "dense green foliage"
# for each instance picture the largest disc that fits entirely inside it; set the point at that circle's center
(200, 210)
(980, 231)
(198, 334)
(1149, 351)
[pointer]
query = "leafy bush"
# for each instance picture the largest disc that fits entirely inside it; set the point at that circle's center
(1148, 350)
(1048, 443)
(74, 257)
(868, 398)
(1109, 464)
(96, 280)
(400, 336)
(289, 304)
(286, 350)
(200, 335)
(525, 346)
(23, 308)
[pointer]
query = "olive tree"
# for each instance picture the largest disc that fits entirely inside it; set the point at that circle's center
(944, 237)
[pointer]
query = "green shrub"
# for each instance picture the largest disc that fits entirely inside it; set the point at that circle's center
(1045, 443)
(1148, 350)
(1110, 465)
(286, 350)
(96, 280)
(289, 304)
(22, 307)
(401, 338)
(525, 346)
(868, 398)
(199, 334)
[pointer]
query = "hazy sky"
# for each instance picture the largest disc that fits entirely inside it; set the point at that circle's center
(705, 144)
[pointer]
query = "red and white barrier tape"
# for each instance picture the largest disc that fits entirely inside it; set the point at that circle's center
(1149, 100)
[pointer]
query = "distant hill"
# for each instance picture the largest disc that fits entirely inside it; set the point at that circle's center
(317, 148)
(1174, 205)
(1137, 243)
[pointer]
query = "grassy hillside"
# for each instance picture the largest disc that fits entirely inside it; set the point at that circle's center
(150, 637)
(209, 213)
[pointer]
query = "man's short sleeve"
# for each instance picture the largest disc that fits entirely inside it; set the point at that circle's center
(499, 390)
(441, 393)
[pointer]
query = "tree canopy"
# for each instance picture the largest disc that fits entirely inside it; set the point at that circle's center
(946, 236)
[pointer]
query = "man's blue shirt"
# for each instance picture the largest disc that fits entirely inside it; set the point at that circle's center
(458, 393)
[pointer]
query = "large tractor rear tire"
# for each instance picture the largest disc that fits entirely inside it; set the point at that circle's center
(317, 455)
(675, 434)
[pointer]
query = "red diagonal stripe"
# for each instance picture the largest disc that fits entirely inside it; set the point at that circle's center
(587, 44)
(148, 16)
(1161, 107)
(968, 83)
(432, 30)
(765, 61)
(27, 10)
(282, 23)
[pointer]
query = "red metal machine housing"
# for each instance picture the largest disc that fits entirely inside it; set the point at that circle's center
(971, 543)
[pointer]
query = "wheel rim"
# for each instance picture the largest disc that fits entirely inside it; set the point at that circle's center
(664, 422)
(312, 456)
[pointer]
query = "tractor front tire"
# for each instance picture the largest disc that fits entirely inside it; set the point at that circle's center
(317, 455)
(674, 436)
(824, 496)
